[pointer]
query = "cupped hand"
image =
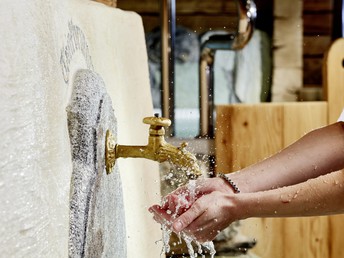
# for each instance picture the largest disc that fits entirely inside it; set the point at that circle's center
(182, 198)
(207, 216)
(198, 206)
(205, 185)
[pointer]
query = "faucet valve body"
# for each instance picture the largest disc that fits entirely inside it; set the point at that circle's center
(157, 149)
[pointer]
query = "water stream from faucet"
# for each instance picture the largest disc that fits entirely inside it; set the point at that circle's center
(190, 242)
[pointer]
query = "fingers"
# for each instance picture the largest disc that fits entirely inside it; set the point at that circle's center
(170, 201)
(206, 218)
(160, 215)
(182, 190)
(202, 221)
(203, 228)
(184, 220)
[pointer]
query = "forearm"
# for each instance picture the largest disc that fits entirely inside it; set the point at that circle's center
(319, 196)
(317, 153)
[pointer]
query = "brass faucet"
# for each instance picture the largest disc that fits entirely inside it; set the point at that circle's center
(157, 149)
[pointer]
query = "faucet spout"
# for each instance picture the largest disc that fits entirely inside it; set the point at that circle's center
(157, 149)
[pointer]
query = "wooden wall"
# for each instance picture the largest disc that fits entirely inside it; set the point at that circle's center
(319, 32)
(199, 15)
(249, 133)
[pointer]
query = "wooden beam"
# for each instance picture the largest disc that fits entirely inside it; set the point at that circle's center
(312, 72)
(317, 24)
(112, 3)
(182, 7)
(316, 45)
(317, 5)
(197, 23)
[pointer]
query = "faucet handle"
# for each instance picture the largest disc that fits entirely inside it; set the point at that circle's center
(157, 121)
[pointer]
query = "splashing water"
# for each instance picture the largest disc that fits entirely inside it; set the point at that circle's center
(189, 241)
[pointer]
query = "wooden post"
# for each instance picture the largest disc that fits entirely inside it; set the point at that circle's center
(287, 43)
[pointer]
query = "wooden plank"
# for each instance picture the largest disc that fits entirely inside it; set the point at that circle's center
(317, 5)
(302, 117)
(207, 6)
(287, 82)
(112, 3)
(314, 49)
(203, 23)
(150, 22)
(182, 7)
(312, 70)
(288, 9)
(246, 133)
(142, 6)
(314, 234)
(201, 15)
(336, 233)
(265, 231)
(196, 23)
(317, 24)
(288, 43)
(287, 54)
(281, 237)
(316, 44)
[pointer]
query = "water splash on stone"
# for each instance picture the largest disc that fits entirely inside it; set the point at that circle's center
(97, 220)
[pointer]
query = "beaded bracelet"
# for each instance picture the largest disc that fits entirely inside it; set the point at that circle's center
(229, 181)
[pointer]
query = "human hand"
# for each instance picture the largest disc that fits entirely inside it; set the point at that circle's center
(174, 204)
(179, 202)
(206, 217)
(182, 198)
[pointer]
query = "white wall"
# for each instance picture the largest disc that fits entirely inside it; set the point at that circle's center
(35, 83)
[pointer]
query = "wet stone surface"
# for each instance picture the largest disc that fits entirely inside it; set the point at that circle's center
(97, 219)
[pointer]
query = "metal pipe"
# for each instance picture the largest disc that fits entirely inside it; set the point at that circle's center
(247, 13)
(206, 77)
(168, 27)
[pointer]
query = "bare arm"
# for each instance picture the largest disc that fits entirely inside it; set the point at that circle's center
(317, 153)
(320, 196)
(297, 181)
(213, 212)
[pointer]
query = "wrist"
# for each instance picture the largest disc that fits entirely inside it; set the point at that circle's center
(238, 206)
(229, 182)
(243, 181)
(246, 205)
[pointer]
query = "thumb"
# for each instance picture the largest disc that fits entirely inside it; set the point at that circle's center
(185, 219)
